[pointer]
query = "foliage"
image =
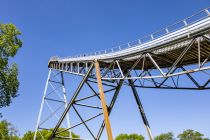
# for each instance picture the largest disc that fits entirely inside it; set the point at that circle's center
(186, 135)
(165, 136)
(191, 135)
(28, 135)
(129, 137)
(9, 45)
(7, 131)
(46, 134)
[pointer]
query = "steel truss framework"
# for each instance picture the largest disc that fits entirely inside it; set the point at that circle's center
(149, 69)
(57, 95)
(75, 101)
(153, 67)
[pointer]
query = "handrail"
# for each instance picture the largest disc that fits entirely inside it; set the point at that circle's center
(205, 13)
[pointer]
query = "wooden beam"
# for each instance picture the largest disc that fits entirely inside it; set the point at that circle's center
(103, 101)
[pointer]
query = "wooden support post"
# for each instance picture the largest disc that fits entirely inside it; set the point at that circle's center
(103, 101)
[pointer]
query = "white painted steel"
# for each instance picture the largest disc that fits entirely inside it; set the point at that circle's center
(42, 104)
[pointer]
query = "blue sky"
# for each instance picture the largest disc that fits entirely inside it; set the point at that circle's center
(67, 27)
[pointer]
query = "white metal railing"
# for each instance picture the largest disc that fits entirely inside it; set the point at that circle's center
(165, 31)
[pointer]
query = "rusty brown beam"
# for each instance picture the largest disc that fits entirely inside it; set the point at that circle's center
(103, 101)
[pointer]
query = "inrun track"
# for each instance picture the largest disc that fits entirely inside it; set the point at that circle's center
(155, 61)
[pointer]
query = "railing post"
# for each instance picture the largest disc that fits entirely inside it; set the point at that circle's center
(139, 41)
(167, 31)
(152, 36)
(185, 22)
(207, 11)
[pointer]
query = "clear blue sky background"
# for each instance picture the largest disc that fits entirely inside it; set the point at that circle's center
(68, 27)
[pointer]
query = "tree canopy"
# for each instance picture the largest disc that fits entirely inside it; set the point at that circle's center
(165, 136)
(129, 137)
(7, 131)
(46, 135)
(9, 45)
(185, 135)
(191, 135)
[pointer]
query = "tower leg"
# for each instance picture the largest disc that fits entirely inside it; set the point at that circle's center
(52, 80)
(43, 98)
(103, 101)
(70, 103)
(141, 109)
(65, 100)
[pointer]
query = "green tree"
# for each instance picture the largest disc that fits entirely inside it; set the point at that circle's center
(28, 136)
(165, 136)
(46, 134)
(129, 137)
(7, 131)
(9, 45)
(191, 135)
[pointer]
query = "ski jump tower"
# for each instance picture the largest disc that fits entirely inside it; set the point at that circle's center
(159, 60)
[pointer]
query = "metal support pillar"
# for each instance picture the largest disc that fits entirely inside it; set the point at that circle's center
(141, 109)
(65, 100)
(111, 106)
(103, 101)
(55, 90)
(70, 103)
(42, 104)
